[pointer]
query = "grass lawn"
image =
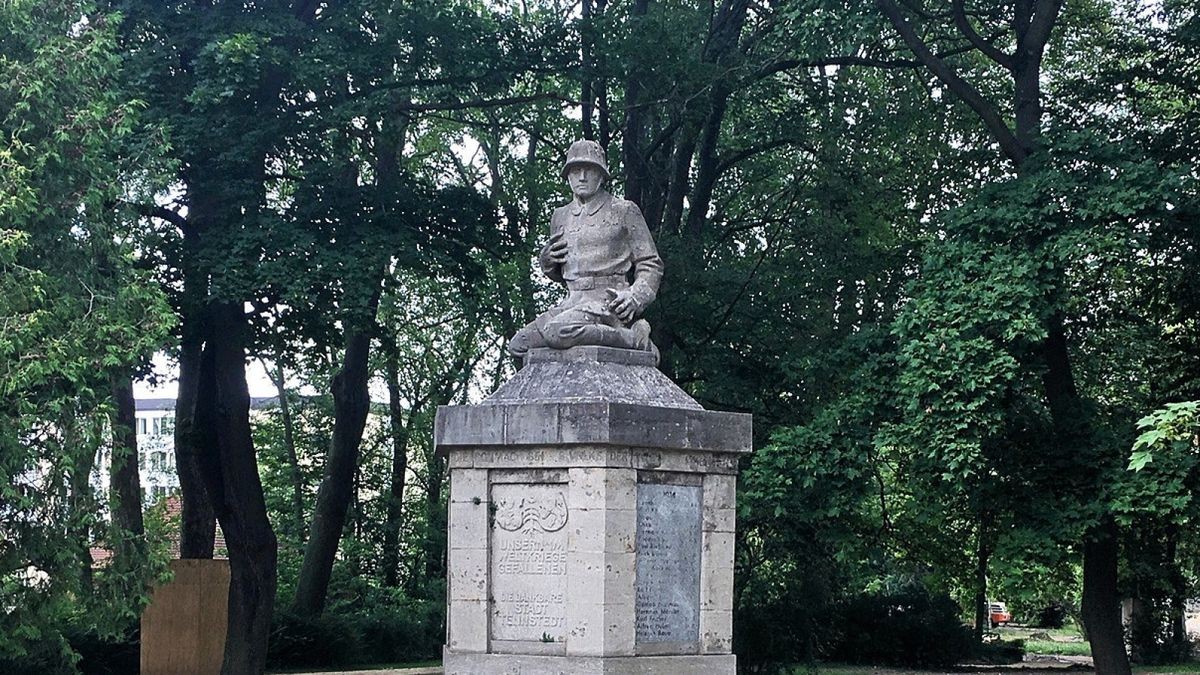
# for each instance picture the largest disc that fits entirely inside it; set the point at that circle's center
(1066, 641)
(1174, 668)
(1058, 648)
(838, 669)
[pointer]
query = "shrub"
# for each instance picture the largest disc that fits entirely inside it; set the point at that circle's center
(411, 631)
(787, 626)
(300, 641)
(390, 636)
(99, 655)
(81, 649)
(910, 627)
(1053, 615)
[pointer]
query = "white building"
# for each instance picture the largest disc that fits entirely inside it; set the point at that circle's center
(156, 449)
(155, 428)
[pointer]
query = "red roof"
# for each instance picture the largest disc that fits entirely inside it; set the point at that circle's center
(172, 506)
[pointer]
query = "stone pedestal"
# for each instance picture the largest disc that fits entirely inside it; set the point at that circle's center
(591, 521)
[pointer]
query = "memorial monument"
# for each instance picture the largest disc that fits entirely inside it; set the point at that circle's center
(592, 501)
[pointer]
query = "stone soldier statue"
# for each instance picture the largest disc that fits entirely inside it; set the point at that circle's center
(601, 250)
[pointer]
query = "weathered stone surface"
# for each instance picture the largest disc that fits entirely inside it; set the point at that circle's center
(467, 626)
(529, 562)
(591, 374)
(591, 525)
(668, 565)
(621, 424)
(477, 664)
(591, 354)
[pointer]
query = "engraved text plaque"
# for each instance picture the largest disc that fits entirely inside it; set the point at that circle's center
(668, 564)
(529, 562)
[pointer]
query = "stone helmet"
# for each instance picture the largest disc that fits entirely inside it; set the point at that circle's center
(585, 152)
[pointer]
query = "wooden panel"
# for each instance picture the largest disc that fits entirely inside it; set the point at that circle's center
(183, 627)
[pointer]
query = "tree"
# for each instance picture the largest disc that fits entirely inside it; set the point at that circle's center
(77, 314)
(1030, 24)
(195, 82)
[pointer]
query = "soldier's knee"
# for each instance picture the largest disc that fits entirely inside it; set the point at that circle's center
(564, 336)
(520, 344)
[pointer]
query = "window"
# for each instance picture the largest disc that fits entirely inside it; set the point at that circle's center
(168, 425)
(156, 426)
(141, 426)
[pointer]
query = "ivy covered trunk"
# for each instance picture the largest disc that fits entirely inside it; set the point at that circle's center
(126, 497)
(198, 523)
(232, 482)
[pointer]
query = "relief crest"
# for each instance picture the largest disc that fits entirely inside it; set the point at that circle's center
(530, 513)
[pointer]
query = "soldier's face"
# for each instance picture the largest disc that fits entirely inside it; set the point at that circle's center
(585, 180)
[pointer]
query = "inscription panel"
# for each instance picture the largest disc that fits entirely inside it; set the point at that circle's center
(529, 562)
(668, 563)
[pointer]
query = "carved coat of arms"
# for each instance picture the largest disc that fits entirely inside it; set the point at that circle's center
(527, 513)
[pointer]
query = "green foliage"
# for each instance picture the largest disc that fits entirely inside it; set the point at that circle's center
(1172, 430)
(864, 277)
(399, 631)
(1163, 466)
(910, 627)
(75, 311)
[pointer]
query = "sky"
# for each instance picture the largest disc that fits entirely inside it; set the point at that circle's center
(167, 373)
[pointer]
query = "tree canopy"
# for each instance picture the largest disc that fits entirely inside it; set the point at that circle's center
(944, 251)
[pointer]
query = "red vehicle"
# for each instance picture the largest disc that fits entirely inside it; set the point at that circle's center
(998, 613)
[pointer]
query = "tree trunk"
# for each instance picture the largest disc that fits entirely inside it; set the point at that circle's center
(435, 541)
(80, 497)
(983, 553)
(631, 157)
(235, 490)
(351, 403)
(681, 168)
(707, 165)
(587, 97)
(600, 83)
(1101, 607)
(198, 523)
(724, 40)
(393, 521)
(1177, 602)
(125, 483)
(279, 379)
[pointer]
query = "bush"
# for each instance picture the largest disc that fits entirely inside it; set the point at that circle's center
(411, 634)
(777, 627)
(80, 650)
(103, 656)
(1053, 615)
(301, 641)
(911, 627)
(408, 632)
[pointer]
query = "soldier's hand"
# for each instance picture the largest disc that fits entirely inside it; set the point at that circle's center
(557, 251)
(623, 304)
